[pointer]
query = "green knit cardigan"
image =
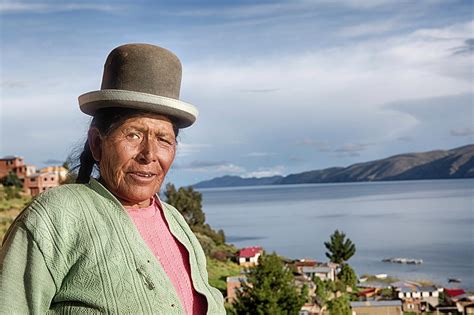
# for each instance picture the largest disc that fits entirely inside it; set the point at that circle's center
(74, 249)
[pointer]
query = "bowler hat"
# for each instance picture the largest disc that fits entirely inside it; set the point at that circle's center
(144, 77)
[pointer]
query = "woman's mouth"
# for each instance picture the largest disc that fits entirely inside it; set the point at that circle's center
(142, 175)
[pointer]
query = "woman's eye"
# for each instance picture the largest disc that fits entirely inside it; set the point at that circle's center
(134, 136)
(165, 140)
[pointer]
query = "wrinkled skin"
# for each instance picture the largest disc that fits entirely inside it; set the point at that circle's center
(135, 157)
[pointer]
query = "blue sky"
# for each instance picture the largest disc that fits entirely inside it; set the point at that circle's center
(281, 86)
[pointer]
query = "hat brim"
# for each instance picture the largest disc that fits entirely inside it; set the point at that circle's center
(185, 114)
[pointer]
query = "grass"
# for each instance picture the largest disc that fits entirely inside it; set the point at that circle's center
(219, 271)
(372, 278)
(9, 209)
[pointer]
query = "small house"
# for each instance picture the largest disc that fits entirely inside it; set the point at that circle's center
(17, 166)
(464, 303)
(415, 297)
(40, 182)
(234, 284)
(248, 257)
(310, 309)
(322, 271)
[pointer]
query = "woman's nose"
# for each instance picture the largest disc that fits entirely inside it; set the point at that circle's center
(148, 150)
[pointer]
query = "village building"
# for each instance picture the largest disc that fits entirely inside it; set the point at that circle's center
(392, 307)
(376, 284)
(416, 298)
(460, 300)
(452, 293)
(17, 166)
(368, 293)
(326, 271)
(33, 182)
(464, 303)
(299, 264)
(311, 309)
(248, 257)
(40, 182)
(233, 286)
(61, 171)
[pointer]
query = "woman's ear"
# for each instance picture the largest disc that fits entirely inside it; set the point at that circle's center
(95, 143)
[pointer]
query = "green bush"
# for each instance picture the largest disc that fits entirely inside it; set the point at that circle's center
(339, 306)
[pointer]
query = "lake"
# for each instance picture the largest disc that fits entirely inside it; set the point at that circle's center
(430, 220)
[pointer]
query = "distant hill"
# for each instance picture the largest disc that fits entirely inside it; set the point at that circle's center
(439, 164)
(231, 181)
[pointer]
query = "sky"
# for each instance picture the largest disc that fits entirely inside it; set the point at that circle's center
(281, 86)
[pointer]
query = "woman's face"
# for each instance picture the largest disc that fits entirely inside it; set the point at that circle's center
(135, 157)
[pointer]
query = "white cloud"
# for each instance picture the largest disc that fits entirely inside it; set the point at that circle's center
(217, 168)
(265, 172)
(213, 167)
(273, 9)
(347, 84)
(12, 84)
(186, 149)
(461, 132)
(17, 6)
(259, 154)
(258, 89)
(368, 28)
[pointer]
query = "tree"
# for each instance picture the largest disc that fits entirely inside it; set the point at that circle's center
(270, 289)
(11, 180)
(339, 248)
(322, 291)
(188, 202)
(347, 275)
(339, 306)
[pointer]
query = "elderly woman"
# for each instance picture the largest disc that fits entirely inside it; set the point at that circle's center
(109, 245)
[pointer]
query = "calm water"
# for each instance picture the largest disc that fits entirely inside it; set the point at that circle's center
(429, 220)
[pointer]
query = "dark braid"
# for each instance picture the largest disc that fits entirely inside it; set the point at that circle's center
(106, 120)
(87, 163)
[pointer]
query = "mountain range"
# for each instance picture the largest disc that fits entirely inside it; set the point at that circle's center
(438, 164)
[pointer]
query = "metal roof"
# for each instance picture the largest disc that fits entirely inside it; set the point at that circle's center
(377, 303)
(316, 269)
(237, 279)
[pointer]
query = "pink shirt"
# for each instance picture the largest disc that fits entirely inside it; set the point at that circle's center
(171, 254)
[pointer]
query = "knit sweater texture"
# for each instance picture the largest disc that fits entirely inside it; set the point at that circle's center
(75, 250)
(170, 253)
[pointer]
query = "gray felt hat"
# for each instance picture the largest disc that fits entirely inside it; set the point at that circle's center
(144, 77)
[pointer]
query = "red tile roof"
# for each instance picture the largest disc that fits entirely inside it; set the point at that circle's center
(306, 263)
(367, 292)
(454, 292)
(250, 251)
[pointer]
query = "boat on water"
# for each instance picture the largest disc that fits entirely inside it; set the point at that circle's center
(401, 260)
(454, 280)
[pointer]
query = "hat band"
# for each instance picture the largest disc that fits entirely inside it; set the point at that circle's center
(133, 96)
